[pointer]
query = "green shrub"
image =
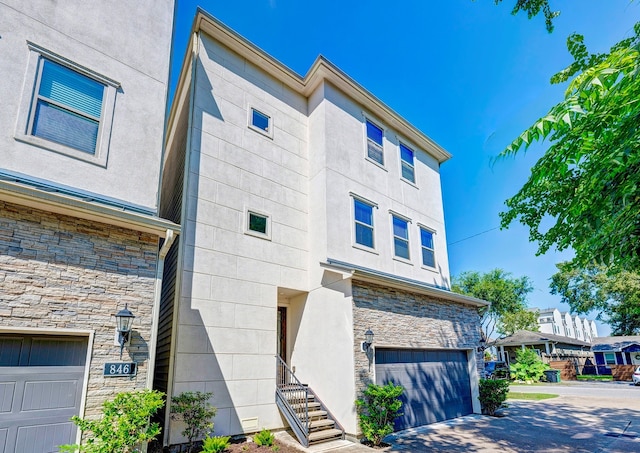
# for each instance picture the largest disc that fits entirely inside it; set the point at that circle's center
(215, 444)
(124, 424)
(196, 413)
(528, 366)
(264, 437)
(379, 407)
(493, 393)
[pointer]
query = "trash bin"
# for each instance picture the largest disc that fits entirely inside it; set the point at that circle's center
(552, 375)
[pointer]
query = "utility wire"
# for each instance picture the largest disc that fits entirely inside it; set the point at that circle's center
(472, 236)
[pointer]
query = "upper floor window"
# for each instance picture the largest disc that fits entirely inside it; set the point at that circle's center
(70, 110)
(67, 107)
(375, 149)
(258, 224)
(406, 162)
(363, 214)
(428, 253)
(260, 122)
(400, 237)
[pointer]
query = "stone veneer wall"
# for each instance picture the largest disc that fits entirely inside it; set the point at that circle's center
(408, 320)
(62, 272)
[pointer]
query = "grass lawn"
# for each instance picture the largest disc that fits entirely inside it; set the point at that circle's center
(530, 396)
(593, 377)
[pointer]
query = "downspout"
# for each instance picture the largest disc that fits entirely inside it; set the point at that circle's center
(168, 242)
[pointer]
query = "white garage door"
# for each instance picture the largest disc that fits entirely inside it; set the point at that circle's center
(40, 389)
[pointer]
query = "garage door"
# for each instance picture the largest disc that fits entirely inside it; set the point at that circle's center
(40, 389)
(436, 383)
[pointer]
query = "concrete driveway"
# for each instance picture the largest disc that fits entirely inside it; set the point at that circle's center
(595, 417)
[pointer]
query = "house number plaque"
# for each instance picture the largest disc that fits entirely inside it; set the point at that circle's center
(119, 369)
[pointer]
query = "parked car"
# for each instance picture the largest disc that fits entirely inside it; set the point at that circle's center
(636, 376)
(496, 370)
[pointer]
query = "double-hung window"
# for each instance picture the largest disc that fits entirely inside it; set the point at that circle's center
(610, 358)
(363, 214)
(69, 109)
(406, 162)
(428, 253)
(400, 237)
(375, 149)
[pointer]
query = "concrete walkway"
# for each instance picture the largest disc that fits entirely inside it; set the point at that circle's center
(594, 418)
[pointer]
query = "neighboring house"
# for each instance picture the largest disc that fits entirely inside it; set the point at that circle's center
(311, 214)
(83, 93)
(617, 355)
(550, 347)
(552, 321)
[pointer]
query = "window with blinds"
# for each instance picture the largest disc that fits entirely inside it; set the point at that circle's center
(67, 107)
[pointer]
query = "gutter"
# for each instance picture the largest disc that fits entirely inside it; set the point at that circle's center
(395, 281)
(26, 195)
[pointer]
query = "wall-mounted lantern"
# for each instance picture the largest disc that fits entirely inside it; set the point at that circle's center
(124, 321)
(368, 340)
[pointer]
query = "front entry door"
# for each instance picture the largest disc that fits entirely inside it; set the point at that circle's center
(282, 333)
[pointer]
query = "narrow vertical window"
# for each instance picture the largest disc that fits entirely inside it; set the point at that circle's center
(428, 254)
(375, 150)
(406, 162)
(400, 237)
(363, 213)
(67, 107)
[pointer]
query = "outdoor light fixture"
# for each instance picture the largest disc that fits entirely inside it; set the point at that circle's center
(368, 340)
(482, 346)
(124, 320)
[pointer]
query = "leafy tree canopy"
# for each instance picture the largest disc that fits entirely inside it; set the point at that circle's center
(533, 8)
(616, 297)
(511, 322)
(588, 181)
(507, 294)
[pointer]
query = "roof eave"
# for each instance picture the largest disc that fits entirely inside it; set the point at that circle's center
(25, 195)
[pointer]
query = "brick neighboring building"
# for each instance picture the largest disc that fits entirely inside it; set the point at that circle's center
(81, 130)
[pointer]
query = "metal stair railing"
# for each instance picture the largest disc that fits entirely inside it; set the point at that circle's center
(289, 390)
(325, 408)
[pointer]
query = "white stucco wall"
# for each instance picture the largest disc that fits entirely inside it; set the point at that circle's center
(345, 170)
(226, 329)
(128, 42)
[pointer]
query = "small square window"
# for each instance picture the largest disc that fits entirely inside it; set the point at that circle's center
(260, 122)
(428, 253)
(363, 213)
(258, 225)
(400, 237)
(375, 149)
(406, 162)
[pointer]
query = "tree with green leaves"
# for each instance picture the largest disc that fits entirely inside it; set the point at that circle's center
(588, 181)
(533, 8)
(511, 322)
(614, 296)
(506, 294)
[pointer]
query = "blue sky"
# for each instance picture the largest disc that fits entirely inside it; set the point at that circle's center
(467, 73)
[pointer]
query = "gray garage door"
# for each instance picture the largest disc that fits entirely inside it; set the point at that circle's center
(40, 389)
(436, 383)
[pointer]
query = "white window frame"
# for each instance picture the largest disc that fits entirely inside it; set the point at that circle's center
(269, 131)
(367, 140)
(258, 234)
(407, 220)
(433, 250)
(373, 206)
(412, 165)
(29, 99)
(606, 362)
